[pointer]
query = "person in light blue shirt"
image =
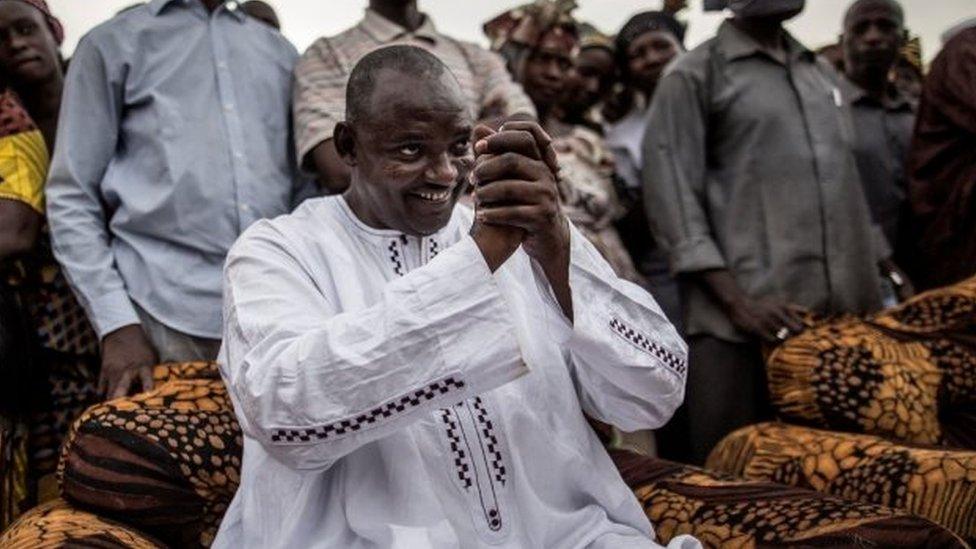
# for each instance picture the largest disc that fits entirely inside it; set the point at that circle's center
(174, 137)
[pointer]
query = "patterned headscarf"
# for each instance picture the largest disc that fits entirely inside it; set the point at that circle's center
(527, 25)
(517, 32)
(911, 52)
(52, 22)
(591, 37)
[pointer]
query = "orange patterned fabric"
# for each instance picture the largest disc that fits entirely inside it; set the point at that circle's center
(934, 483)
(166, 461)
(728, 512)
(907, 373)
(56, 525)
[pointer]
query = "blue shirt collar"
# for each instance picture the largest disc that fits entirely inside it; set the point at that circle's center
(231, 6)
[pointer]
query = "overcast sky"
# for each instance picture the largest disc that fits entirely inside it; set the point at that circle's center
(305, 20)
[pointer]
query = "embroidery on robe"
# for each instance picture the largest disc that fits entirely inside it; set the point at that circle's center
(491, 441)
(642, 342)
(384, 411)
(395, 257)
(462, 459)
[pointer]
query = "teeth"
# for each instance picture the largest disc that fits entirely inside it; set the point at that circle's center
(435, 197)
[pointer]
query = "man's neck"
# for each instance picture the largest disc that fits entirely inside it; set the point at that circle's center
(768, 33)
(873, 82)
(404, 14)
(43, 100)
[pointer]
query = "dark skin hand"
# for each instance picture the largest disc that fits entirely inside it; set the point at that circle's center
(19, 227)
(762, 317)
(515, 189)
(127, 356)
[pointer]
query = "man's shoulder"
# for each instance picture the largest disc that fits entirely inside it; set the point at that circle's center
(695, 61)
(352, 39)
(119, 28)
(289, 232)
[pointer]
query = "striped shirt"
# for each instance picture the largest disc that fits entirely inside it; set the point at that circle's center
(322, 73)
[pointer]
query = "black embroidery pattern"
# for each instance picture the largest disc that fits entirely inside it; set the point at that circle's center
(395, 258)
(351, 425)
(462, 462)
(641, 341)
(491, 441)
(433, 249)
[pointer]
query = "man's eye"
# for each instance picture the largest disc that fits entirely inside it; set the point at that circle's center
(462, 148)
(409, 150)
(26, 28)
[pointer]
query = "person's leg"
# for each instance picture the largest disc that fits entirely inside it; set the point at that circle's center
(725, 391)
(175, 346)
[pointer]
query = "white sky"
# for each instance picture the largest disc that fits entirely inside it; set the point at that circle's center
(305, 20)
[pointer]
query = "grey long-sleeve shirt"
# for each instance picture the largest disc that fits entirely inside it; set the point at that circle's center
(174, 136)
(748, 167)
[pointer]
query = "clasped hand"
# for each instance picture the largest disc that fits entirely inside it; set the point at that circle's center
(515, 196)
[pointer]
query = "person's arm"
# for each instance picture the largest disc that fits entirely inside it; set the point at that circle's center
(88, 130)
(319, 103)
(674, 175)
(19, 226)
(628, 360)
(312, 384)
(332, 173)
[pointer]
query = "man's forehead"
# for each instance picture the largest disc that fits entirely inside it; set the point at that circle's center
(872, 9)
(403, 96)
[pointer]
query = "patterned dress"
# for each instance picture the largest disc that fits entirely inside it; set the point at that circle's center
(50, 373)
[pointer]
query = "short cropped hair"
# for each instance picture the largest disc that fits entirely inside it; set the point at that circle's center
(405, 59)
(894, 5)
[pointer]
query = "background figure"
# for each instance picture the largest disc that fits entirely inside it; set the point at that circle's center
(263, 12)
(592, 78)
(751, 183)
(538, 42)
(943, 168)
(192, 147)
(49, 369)
(645, 45)
(874, 34)
(322, 72)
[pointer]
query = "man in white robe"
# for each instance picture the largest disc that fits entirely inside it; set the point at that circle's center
(409, 376)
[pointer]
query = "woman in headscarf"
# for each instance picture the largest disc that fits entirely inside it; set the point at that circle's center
(645, 44)
(539, 42)
(48, 368)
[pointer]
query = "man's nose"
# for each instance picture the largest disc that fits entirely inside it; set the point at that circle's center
(442, 170)
(873, 35)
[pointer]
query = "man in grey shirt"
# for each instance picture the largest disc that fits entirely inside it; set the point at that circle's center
(751, 186)
(174, 137)
(874, 32)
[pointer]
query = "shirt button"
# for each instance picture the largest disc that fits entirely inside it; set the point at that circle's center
(238, 155)
(232, 5)
(221, 65)
(228, 107)
(245, 208)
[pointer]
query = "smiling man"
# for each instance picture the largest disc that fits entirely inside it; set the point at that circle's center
(408, 377)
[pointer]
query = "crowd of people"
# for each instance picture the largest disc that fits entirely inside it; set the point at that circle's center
(748, 185)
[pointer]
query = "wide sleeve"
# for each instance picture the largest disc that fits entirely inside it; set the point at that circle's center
(674, 175)
(627, 359)
(88, 131)
(312, 384)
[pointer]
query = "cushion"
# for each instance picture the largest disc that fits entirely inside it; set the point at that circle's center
(56, 525)
(935, 483)
(725, 511)
(166, 461)
(907, 374)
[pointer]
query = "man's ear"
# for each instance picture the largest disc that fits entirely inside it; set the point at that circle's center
(345, 143)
